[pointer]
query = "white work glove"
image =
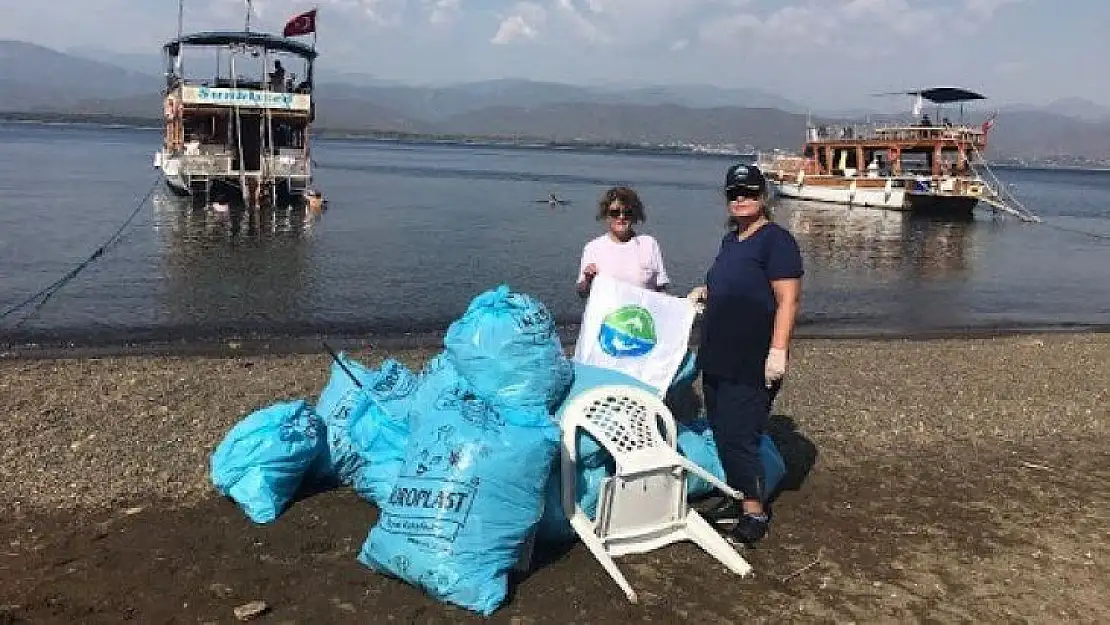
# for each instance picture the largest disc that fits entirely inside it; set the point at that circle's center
(697, 297)
(775, 367)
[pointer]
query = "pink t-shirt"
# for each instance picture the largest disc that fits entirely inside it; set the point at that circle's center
(638, 261)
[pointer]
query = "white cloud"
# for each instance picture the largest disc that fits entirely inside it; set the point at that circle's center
(524, 22)
(848, 28)
(581, 25)
(388, 13)
(443, 12)
(986, 8)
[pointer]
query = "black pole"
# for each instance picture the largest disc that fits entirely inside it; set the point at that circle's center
(339, 361)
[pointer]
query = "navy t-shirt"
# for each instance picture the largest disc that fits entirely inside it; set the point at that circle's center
(740, 311)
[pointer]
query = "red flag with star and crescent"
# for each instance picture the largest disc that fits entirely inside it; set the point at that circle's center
(302, 24)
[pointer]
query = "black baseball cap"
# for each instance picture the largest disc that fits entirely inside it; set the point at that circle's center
(741, 177)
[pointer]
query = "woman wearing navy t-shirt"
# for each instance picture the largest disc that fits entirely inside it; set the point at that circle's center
(751, 300)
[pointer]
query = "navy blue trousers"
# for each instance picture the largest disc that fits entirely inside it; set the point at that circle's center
(738, 413)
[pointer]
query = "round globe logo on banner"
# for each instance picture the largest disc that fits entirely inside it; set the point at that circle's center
(628, 331)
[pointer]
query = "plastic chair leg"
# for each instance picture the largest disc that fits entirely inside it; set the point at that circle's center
(701, 532)
(594, 544)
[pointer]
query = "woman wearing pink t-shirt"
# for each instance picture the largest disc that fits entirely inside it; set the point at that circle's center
(620, 252)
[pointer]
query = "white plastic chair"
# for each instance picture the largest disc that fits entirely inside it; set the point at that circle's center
(643, 506)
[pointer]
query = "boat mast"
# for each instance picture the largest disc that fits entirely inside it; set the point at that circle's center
(247, 22)
(180, 17)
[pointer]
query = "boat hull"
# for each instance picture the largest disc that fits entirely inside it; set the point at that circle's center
(202, 185)
(891, 199)
(942, 205)
(871, 195)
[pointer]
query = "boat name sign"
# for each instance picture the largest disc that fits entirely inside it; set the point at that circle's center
(223, 96)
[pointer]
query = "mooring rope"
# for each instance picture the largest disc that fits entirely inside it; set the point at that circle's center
(47, 292)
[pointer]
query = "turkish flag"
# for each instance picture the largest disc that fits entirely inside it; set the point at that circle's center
(302, 24)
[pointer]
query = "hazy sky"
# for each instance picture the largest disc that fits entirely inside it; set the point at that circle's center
(818, 52)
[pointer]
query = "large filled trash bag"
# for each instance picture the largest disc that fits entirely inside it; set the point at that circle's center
(379, 434)
(341, 402)
(696, 442)
(262, 461)
(687, 372)
(469, 492)
(365, 411)
(774, 468)
(554, 527)
(506, 346)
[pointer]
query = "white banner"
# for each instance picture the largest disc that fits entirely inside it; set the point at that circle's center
(638, 332)
(249, 98)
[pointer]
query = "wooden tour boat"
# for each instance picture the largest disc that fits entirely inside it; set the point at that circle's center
(931, 166)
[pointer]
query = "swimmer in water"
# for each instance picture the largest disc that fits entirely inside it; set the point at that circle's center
(553, 201)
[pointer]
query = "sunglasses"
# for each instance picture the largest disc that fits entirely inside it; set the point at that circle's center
(748, 194)
(621, 212)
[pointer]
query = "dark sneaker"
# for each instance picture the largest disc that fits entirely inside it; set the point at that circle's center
(749, 529)
(724, 515)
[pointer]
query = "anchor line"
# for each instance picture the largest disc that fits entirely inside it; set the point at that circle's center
(43, 295)
(1096, 235)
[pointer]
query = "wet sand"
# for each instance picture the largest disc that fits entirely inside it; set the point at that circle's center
(940, 480)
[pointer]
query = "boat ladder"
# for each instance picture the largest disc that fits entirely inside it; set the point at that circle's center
(998, 196)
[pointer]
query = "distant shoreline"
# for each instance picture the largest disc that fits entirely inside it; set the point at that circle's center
(36, 345)
(145, 123)
(405, 138)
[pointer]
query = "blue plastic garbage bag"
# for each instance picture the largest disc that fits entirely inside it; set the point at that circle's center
(379, 435)
(469, 492)
(506, 346)
(345, 408)
(687, 372)
(554, 527)
(263, 459)
(341, 402)
(696, 442)
(774, 468)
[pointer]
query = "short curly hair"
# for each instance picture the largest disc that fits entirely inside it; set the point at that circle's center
(626, 196)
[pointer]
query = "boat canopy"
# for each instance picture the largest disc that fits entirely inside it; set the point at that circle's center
(247, 38)
(944, 95)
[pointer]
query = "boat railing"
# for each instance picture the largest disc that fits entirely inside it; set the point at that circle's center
(287, 166)
(894, 132)
(207, 164)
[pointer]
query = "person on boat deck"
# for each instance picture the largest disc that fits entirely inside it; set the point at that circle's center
(192, 145)
(925, 121)
(751, 299)
(277, 77)
(622, 253)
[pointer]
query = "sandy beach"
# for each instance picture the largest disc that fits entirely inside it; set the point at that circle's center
(948, 480)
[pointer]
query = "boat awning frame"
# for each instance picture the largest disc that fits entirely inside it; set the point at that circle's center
(247, 38)
(946, 95)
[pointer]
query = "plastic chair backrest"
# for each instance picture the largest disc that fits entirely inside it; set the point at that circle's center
(624, 420)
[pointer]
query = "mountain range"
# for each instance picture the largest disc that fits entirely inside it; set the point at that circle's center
(35, 80)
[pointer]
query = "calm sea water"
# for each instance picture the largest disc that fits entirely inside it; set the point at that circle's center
(413, 232)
